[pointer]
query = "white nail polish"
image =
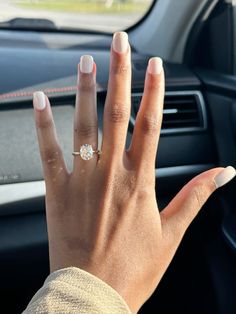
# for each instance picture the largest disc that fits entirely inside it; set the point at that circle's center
(39, 100)
(155, 66)
(86, 64)
(120, 42)
(225, 176)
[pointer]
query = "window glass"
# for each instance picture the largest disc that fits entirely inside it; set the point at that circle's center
(99, 15)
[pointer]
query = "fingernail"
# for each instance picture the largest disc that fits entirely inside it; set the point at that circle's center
(155, 65)
(225, 176)
(39, 100)
(120, 42)
(86, 64)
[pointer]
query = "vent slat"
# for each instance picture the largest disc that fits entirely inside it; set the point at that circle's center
(176, 111)
(181, 121)
(175, 101)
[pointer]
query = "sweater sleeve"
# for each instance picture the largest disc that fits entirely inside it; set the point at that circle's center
(72, 290)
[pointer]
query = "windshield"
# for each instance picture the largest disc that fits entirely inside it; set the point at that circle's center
(98, 15)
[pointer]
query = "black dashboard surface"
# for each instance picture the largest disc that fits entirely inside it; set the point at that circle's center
(31, 61)
(49, 62)
(34, 66)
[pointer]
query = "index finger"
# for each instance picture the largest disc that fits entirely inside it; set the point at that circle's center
(54, 166)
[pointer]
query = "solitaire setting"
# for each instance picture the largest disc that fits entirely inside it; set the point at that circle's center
(86, 152)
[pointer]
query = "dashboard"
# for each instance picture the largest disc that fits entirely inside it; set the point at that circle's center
(26, 69)
(31, 61)
(186, 145)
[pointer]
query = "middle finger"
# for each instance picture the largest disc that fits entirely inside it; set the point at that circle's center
(118, 100)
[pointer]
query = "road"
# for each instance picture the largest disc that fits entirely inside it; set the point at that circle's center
(76, 20)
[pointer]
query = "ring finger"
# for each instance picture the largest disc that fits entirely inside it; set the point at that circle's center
(85, 123)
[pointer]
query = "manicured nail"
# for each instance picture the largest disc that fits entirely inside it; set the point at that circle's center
(155, 65)
(39, 100)
(120, 42)
(86, 64)
(225, 176)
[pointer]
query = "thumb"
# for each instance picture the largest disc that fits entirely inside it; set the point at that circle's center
(184, 207)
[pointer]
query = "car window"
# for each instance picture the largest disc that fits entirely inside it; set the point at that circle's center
(99, 15)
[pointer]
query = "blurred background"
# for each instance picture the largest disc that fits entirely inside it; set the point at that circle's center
(99, 15)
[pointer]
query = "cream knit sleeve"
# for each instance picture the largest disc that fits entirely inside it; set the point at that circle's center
(72, 290)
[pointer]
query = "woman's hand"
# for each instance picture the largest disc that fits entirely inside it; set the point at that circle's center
(103, 217)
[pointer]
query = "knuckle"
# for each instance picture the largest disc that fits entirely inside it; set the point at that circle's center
(44, 124)
(130, 180)
(138, 187)
(86, 130)
(150, 125)
(200, 192)
(154, 83)
(118, 113)
(86, 86)
(177, 230)
(120, 69)
(143, 194)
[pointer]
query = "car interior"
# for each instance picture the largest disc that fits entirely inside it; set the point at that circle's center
(196, 39)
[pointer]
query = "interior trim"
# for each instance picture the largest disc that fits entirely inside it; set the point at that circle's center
(181, 170)
(219, 83)
(16, 192)
(201, 102)
(158, 37)
(55, 90)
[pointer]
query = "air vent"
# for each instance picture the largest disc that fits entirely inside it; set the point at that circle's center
(183, 111)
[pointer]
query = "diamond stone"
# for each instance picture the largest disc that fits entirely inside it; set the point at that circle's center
(86, 152)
